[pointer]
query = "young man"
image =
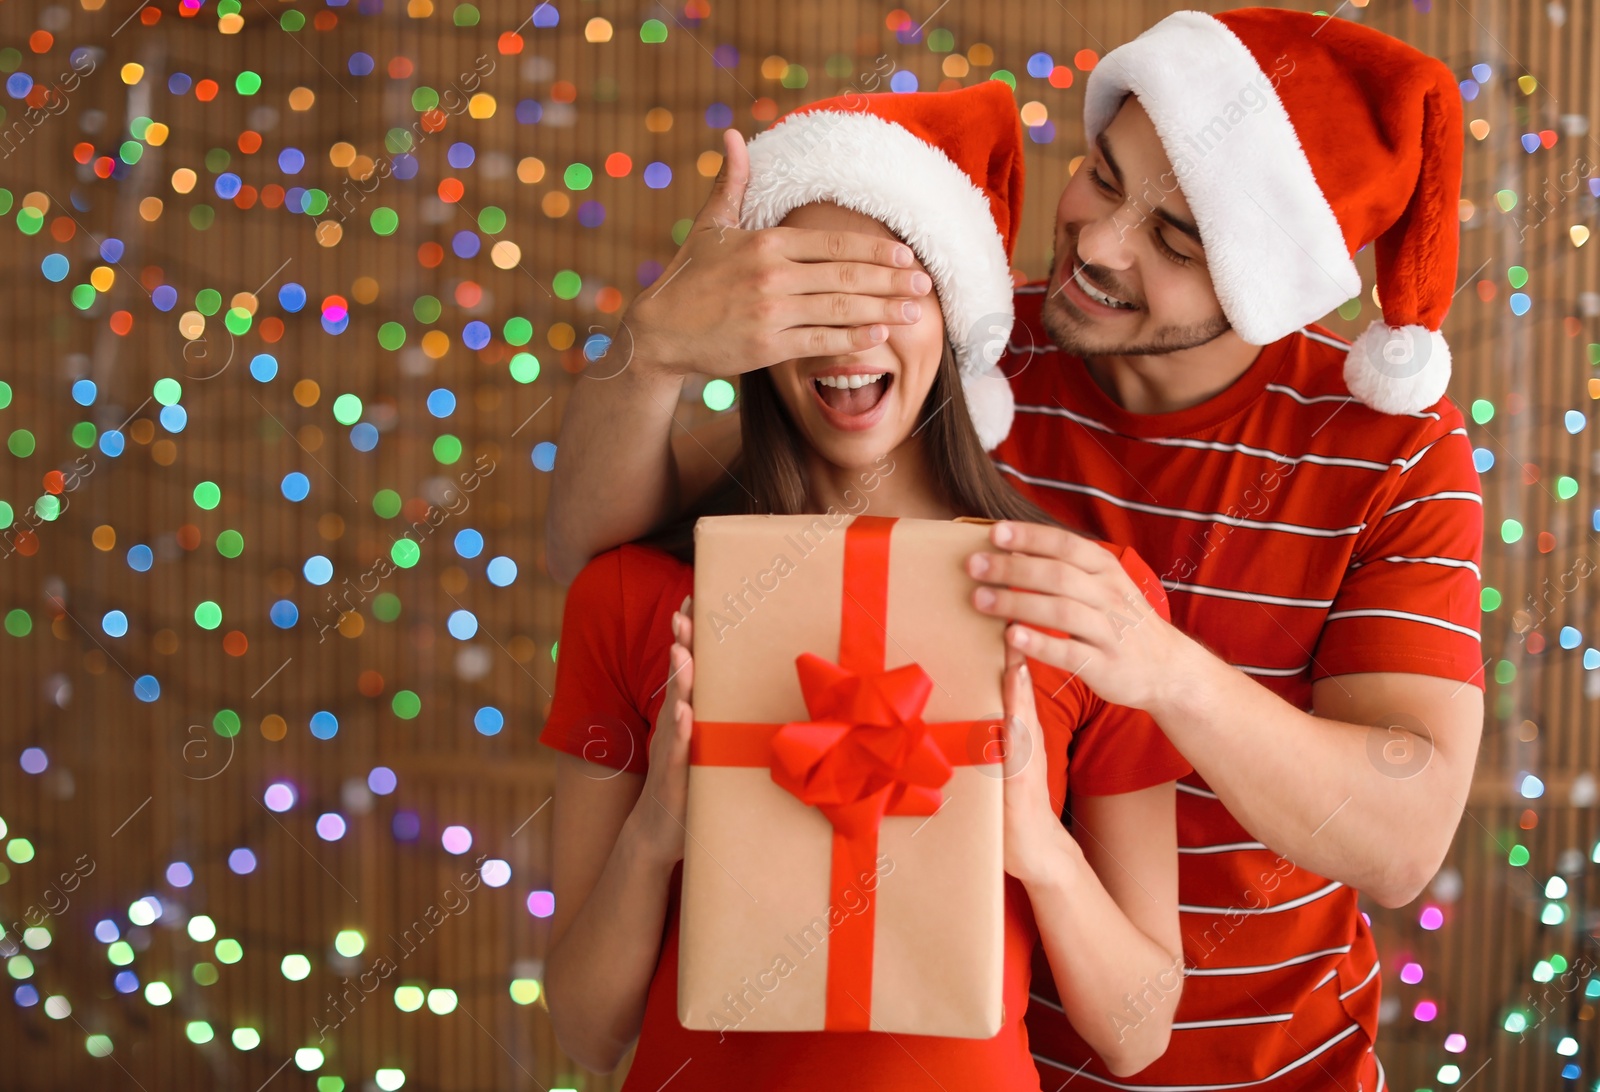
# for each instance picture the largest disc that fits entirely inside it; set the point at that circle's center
(1311, 505)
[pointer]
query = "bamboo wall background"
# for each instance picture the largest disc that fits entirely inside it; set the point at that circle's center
(133, 786)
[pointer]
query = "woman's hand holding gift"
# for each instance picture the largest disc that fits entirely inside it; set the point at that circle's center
(661, 805)
(1032, 830)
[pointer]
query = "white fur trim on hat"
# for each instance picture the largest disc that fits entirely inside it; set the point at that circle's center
(1276, 253)
(1398, 369)
(863, 162)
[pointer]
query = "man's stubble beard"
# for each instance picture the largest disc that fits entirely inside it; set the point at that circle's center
(1067, 330)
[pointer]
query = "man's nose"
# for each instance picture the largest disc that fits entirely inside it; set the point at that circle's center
(1105, 240)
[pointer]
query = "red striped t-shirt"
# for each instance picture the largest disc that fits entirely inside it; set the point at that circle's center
(1299, 534)
(610, 674)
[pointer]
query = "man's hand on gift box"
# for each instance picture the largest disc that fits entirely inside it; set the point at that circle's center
(1081, 611)
(666, 783)
(1033, 833)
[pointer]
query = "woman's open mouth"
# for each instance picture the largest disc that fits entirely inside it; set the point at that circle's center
(852, 402)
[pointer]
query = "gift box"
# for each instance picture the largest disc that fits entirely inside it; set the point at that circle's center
(843, 863)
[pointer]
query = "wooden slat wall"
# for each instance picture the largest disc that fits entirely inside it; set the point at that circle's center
(194, 797)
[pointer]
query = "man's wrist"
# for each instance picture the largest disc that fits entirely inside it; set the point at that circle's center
(646, 353)
(1185, 680)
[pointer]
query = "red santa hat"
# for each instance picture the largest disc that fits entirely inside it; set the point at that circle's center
(1298, 139)
(943, 171)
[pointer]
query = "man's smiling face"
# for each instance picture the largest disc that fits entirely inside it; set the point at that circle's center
(1128, 275)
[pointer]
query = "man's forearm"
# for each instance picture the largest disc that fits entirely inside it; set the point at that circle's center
(615, 478)
(1308, 787)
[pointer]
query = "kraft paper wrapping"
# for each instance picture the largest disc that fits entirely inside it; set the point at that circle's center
(756, 875)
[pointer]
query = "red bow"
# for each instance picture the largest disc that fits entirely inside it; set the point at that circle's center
(866, 751)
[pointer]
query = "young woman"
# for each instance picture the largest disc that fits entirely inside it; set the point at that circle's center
(912, 416)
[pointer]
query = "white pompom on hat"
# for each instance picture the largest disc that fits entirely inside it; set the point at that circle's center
(1298, 139)
(940, 169)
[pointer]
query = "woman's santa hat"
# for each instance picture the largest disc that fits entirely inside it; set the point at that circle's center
(1298, 139)
(943, 171)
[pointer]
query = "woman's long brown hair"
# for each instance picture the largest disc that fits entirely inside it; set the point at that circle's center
(769, 475)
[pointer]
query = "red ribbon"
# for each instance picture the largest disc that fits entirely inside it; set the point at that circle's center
(865, 753)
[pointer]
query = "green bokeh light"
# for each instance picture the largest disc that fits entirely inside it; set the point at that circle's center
(207, 495)
(208, 615)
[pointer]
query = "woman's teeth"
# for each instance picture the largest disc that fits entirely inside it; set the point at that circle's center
(851, 381)
(852, 395)
(1098, 296)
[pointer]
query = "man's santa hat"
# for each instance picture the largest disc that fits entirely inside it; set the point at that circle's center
(1297, 139)
(943, 171)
